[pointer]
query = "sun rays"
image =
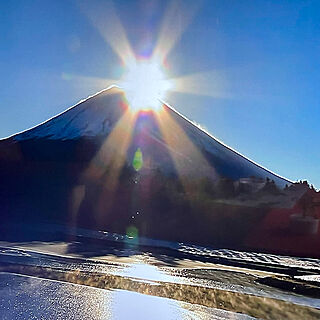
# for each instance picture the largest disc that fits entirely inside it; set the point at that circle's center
(109, 161)
(105, 19)
(210, 84)
(148, 78)
(144, 83)
(176, 20)
(189, 161)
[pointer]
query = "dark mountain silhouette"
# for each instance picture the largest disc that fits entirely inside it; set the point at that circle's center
(101, 166)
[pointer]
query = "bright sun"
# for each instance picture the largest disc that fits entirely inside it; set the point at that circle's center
(145, 85)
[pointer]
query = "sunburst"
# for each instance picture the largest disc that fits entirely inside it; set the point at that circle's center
(145, 85)
(145, 82)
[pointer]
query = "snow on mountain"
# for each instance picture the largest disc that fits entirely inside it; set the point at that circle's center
(96, 116)
(89, 118)
(234, 165)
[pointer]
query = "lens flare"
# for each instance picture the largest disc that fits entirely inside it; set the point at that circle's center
(145, 85)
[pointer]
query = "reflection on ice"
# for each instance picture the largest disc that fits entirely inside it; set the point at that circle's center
(146, 271)
(126, 304)
(24, 297)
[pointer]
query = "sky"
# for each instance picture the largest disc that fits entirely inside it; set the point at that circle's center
(251, 68)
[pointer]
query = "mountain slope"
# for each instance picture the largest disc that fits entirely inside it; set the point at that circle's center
(95, 117)
(101, 166)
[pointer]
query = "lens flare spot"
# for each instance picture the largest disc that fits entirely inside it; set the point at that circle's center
(132, 232)
(137, 161)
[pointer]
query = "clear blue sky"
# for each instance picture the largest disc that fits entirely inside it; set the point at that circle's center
(266, 55)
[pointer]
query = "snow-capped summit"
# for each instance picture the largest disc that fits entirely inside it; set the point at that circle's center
(95, 117)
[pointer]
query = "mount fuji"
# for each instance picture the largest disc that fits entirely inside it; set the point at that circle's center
(94, 118)
(79, 168)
